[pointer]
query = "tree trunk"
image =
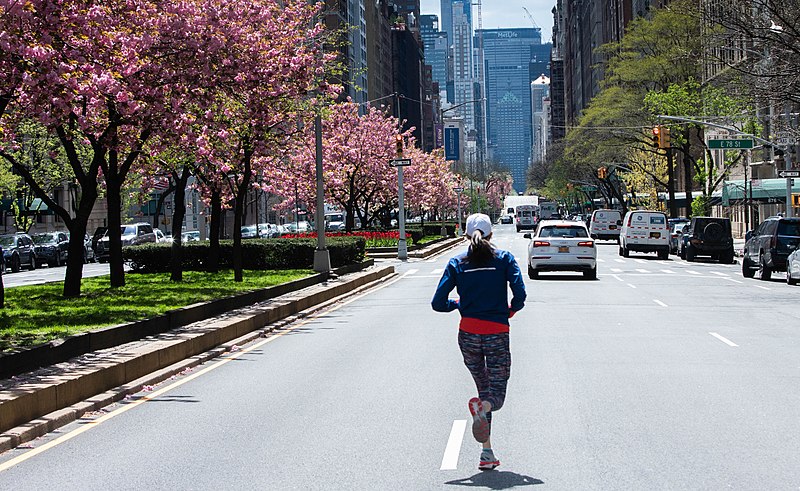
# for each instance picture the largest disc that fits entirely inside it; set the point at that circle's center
(160, 204)
(238, 215)
(114, 201)
(176, 256)
(212, 265)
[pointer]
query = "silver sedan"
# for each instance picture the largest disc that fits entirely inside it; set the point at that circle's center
(560, 245)
(793, 268)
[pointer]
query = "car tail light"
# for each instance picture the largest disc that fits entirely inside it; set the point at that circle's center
(586, 243)
(541, 243)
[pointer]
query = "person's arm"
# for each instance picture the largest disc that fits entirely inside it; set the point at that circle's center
(514, 277)
(441, 302)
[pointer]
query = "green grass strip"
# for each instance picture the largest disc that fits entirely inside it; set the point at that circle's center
(38, 313)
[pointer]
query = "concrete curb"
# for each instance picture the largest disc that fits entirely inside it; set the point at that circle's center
(421, 253)
(54, 396)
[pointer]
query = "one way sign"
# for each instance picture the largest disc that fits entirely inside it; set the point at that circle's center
(789, 173)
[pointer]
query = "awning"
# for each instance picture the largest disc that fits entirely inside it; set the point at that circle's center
(762, 190)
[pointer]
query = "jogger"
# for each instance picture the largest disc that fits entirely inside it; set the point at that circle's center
(482, 276)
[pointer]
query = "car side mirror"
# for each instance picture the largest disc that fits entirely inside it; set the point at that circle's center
(527, 236)
(748, 235)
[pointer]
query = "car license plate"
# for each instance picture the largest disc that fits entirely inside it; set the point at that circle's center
(612, 227)
(563, 249)
(655, 235)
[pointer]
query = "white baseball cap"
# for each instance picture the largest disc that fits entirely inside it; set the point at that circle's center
(479, 221)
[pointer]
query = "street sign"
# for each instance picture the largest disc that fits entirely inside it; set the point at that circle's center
(730, 144)
(785, 139)
(400, 162)
(789, 173)
(588, 189)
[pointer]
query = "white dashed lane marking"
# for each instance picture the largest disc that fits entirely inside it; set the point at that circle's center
(724, 339)
(642, 271)
(453, 448)
(668, 271)
(718, 273)
(659, 302)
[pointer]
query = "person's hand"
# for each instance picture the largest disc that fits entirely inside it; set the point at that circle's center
(511, 312)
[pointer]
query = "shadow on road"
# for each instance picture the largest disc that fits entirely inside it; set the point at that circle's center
(496, 480)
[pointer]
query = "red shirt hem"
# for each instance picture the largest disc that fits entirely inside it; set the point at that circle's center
(479, 326)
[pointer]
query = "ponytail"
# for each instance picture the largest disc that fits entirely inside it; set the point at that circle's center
(481, 251)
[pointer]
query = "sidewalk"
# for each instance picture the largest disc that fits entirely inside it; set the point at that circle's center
(37, 402)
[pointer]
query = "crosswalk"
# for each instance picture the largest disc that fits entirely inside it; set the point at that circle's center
(620, 267)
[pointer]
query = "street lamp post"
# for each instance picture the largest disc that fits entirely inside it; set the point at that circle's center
(458, 191)
(322, 258)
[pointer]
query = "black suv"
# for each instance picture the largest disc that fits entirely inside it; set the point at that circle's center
(768, 247)
(708, 236)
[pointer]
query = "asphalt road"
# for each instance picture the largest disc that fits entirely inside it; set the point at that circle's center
(46, 274)
(658, 375)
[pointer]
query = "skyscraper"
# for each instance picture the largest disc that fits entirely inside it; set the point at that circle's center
(507, 55)
(435, 42)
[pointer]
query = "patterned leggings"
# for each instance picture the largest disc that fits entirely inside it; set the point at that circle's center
(488, 358)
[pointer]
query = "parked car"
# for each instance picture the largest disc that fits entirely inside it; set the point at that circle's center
(160, 237)
(51, 248)
(605, 225)
(98, 234)
(560, 245)
(18, 250)
(708, 236)
(644, 231)
(506, 219)
(300, 227)
(793, 267)
(88, 251)
(676, 227)
(249, 232)
(132, 234)
(269, 230)
(190, 236)
(334, 222)
(767, 248)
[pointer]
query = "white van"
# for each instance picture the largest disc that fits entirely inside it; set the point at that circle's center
(525, 217)
(605, 224)
(644, 231)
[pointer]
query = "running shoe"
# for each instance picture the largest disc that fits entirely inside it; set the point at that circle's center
(488, 460)
(480, 425)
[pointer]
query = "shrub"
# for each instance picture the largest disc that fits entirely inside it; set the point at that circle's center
(257, 254)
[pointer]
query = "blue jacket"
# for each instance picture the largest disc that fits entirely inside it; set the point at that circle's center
(482, 290)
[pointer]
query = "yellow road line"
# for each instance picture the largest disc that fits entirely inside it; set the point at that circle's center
(230, 357)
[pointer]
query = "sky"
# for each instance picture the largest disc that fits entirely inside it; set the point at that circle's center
(506, 13)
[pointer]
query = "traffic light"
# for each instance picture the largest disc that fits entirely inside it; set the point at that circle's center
(656, 140)
(398, 141)
(602, 172)
(664, 137)
(795, 200)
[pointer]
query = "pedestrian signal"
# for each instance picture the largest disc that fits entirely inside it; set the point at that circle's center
(795, 200)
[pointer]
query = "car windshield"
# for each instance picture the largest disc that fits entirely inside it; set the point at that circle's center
(7, 240)
(563, 231)
(791, 229)
(128, 230)
(44, 238)
(335, 218)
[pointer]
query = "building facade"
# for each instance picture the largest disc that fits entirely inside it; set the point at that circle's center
(507, 62)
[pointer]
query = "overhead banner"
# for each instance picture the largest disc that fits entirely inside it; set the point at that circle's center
(438, 135)
(452, 149)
